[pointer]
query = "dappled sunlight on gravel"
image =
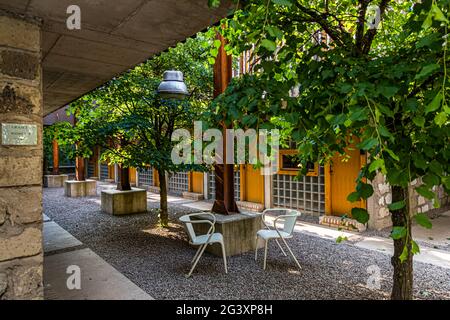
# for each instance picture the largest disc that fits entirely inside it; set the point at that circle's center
(157, 259)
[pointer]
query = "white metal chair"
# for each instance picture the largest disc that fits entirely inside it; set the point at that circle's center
(202, 240)
(289, 219)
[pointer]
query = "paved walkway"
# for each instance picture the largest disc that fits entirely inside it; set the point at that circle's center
(65, 255)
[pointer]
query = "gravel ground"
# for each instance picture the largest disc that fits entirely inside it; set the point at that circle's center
(156, 260)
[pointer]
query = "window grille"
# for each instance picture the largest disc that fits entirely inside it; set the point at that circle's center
(91, 169)
(145, 176)
(104, 171)
(178, 182)
(212, 185)
(306, 194)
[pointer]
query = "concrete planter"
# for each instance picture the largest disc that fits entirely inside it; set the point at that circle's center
(118, 202)
(193, 196)
(74, 189)
(238, 230)
(55, 181)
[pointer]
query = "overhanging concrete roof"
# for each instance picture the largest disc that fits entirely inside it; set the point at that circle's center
(114, 36)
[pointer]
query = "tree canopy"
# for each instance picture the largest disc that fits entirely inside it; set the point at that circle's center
(381, 87)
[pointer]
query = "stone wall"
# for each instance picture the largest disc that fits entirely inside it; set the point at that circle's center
(377, 205)
(21, 256)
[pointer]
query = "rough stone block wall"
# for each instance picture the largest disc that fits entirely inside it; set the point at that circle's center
(21, 256)
(377, 205)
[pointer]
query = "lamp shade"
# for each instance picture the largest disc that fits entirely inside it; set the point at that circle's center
(172, 86)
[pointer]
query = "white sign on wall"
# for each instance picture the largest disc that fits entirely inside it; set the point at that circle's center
(19, 134)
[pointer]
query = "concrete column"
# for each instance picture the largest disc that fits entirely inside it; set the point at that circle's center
(21, 256)
(116, 173)
(205, 185)
(268, 191)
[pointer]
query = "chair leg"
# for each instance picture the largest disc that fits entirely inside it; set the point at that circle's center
(292, 254)
(279, 245)
(224, 257)
(256, 248)
(265, 254)
(196, 254)
(197, 259)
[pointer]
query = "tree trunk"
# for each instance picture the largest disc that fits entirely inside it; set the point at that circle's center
(403, 271)
(163, 213)
(79, 169)
(124, 181)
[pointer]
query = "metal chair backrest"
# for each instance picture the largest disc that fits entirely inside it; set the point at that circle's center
(288, 217)
(289, 220)
(188, 223)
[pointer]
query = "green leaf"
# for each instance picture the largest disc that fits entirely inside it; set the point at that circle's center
(385, 132)
(397, 205)
(415, 249)
(337, 119)
(361, 215)
(275, 32)
(404, 254)
(441, 118)
(364, 190)
(376, 165)
(438, 14)
(368, 144)
(385, 110)
(436, 167)
(353, 197)
(423, 220)
(424, 191)
(359, 115)
(428, 21)
(345, 87)
(340, 239)
(419, 161)
(217, 43)
(398, 233)
(427, 70)
(419, 121)
(388, 91)
(435, 103)
(213, 3)
(431, 179)
(287, 3)
(392, 154)
(269, 44)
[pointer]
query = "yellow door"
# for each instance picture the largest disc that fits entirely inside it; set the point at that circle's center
(132, 175)
(342, 176)
(196, 182)
(111, 172)
(253, 184)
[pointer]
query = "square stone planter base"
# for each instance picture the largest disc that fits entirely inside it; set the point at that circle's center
(74, 189)
(55, 181)
(239, 232)
(118, 202)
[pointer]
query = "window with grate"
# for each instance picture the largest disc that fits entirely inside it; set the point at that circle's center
(306, 194)
(104, 171)
(145, 177)
(212, 185)
(178, 182)
(91, 169)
